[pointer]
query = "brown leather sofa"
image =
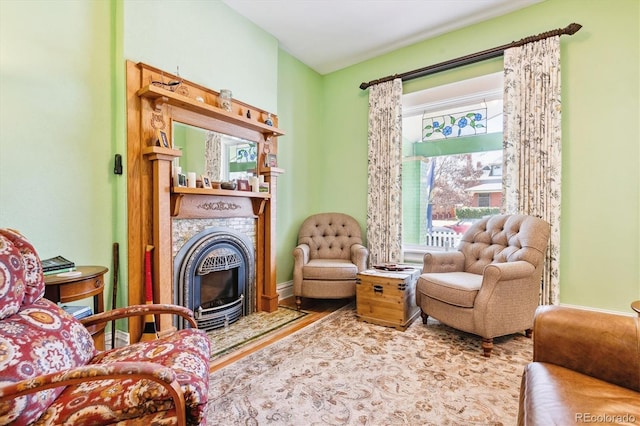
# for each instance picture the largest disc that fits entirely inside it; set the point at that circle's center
(585, 369)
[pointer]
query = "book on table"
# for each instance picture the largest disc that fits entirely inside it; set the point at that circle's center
(57, 264)
(60, 271)
(78, 312)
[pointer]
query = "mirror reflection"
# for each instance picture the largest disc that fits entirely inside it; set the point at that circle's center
(219, 156)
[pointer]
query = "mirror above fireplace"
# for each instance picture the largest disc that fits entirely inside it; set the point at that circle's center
(220, 156)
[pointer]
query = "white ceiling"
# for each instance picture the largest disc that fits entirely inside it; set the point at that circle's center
(328, 35)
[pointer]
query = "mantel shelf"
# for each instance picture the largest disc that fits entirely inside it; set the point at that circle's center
(160, 96)
(227, 192)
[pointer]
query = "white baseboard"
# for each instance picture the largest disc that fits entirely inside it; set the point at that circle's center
(284, 290)
(122, 339)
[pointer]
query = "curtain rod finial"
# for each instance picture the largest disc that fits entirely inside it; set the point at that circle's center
(573, 28)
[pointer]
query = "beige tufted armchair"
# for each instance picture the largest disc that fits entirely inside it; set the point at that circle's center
(327, 258)
(490, 286)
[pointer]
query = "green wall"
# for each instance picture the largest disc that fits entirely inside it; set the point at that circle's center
(57, 140)
(600, 223)
(62, 119)
(300, 114)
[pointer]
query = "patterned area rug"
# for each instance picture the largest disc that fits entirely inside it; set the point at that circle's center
(250, 328)
(339, 371)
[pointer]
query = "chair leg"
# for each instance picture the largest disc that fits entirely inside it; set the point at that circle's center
(298, 302)
(528, 332)
(487, 346)
(424, 316)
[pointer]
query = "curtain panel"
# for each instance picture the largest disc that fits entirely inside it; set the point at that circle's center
(532, 144)
(213, 156)
(384, 200)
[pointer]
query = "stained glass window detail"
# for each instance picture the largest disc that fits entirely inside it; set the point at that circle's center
(453, 125)
(245, 154)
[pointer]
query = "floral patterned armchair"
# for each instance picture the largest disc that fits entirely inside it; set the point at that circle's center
(51, 373)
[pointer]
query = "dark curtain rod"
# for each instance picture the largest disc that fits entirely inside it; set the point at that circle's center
(570, 29)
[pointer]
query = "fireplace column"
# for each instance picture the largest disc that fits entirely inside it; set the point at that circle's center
(267, 227)
(161, 159)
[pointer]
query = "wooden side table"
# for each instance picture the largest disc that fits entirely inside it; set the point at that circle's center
(90, 283)
(387, 298)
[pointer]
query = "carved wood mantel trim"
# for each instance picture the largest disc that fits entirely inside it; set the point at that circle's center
(152, 201)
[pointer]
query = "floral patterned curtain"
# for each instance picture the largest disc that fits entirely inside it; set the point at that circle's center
(384, 201)
(213, 156)
(532, 144)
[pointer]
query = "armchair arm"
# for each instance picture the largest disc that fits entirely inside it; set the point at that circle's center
(301, 254)
(509, 295)
(359, 255)
(507, 271)
(443, 261)
(300, 258)
(163, 376)
(599, 344)
(140, 310)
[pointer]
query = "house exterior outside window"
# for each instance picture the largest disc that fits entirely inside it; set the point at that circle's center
(450, 170)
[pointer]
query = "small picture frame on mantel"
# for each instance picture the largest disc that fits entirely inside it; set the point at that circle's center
(243, 185)
(206, 182)
(163, 140)
(271, 160)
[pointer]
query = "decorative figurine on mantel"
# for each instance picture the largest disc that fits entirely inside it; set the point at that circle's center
(225, 99)
(248, 113)
(268, 121)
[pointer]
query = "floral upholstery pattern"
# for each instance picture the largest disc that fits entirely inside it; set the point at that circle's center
(39, 338)
(41, 345)
(12, 285)
(33, 277)
(186, 352)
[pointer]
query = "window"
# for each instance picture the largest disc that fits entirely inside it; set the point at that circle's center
(452, 161)
(484, 200)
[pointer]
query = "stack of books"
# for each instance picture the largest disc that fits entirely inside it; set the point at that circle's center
(56, 265)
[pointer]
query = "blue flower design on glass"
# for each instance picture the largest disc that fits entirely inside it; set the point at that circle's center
(457, 124)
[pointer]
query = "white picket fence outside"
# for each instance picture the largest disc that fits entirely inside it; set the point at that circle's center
(445, 240)
(436, 241)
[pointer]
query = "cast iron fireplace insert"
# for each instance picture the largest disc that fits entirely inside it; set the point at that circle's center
(214, 277)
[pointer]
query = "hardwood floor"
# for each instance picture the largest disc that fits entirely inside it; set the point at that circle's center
(316, 308)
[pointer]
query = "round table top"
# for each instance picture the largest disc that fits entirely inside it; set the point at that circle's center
(85, 273)
(636, 306)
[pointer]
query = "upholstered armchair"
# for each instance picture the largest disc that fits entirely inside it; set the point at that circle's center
(328, 257)
(490, 286)
(51, 373)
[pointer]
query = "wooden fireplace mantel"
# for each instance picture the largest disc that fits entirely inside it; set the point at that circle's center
(153, 202)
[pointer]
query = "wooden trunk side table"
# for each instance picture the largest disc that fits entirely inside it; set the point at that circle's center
(387, 298)
(90, 283)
